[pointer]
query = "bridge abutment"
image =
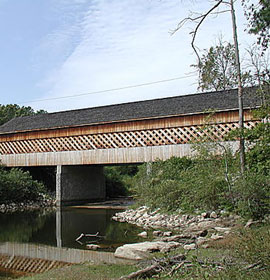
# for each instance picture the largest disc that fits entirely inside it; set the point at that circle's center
(79, 184)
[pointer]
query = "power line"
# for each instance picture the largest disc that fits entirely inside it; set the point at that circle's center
(108, 90)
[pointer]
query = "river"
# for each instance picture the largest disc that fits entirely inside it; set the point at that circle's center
(51, 235)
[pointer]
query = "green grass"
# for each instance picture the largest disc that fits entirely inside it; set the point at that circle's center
(85, 272)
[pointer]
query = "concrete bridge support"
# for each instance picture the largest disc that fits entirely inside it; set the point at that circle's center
(79, 184)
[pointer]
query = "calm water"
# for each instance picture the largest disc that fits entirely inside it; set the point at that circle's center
(52, 235)
(61, 228)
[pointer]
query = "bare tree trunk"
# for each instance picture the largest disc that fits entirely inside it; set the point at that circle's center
(240, 92)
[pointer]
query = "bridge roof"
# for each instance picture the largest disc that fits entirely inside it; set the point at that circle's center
(149, 109)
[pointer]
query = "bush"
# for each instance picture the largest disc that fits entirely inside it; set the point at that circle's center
(18, 186)
(206, 183)
(117, 179)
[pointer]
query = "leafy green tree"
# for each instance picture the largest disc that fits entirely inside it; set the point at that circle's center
(10, 111)
(18, 186)
(259, 20)
(217, 68)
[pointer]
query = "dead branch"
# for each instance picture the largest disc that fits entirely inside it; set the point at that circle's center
(175, 268)
(251, 266)
(200, 20)
(156, 268)
(87, 235)
(146, 272)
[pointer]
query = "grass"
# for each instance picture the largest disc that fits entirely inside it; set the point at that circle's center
(85, 271)
(225, 259)
(234, 253)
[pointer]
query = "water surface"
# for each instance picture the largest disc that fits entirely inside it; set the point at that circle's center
(49, 238)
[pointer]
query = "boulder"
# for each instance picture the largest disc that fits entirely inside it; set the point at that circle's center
(142, 250)
(191, 246)
(143, 234)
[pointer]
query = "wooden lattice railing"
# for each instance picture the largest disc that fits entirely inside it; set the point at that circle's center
(128, 139)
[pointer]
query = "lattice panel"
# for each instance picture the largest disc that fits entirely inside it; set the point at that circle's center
(130, 139)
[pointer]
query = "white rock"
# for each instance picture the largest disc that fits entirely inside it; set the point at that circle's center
(157, 233)
(92, 246)
(201, 241)
(190, 246)
(223, 229)
(213, 215)
(216, 237)
(139, 251)
(143, 234)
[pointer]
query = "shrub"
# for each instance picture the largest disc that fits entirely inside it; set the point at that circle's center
(208, 182)
(18, 186)
(117, 179)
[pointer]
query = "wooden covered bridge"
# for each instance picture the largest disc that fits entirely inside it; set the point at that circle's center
(79, 142)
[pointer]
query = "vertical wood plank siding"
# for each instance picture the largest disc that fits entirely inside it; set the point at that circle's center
(166, 131)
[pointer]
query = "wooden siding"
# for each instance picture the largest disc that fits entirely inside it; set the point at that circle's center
(123, 142)
(103, 156)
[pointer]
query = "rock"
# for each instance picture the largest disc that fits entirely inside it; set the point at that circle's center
(202, 233)
(213, 215)
(178, 238)
(92, 247)
(139, 251)
(157, 233)
(167, 233)
(216, 237)
(191, 246)
(201, 241)
(206, 225)
(225, 230)
(143, 234)
(205, 215)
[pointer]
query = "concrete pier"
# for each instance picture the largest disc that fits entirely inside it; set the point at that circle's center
(79, 184)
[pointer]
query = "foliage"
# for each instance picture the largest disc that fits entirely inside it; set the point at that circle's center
(118, 179)
(217, 68)
(10, 111)
(209, 182)
(258, 16)
(230, 258)
(18, 186)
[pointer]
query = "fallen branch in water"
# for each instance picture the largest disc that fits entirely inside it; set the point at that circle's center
(88, 235)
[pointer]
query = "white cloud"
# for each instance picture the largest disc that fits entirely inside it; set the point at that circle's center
(118, 43)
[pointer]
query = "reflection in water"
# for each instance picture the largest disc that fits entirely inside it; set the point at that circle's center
(20, 226)
(61, 228)
(40, 240)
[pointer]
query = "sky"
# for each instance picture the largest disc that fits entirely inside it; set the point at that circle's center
(51, 49)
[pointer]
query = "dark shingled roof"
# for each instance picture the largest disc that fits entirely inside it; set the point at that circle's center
(164, 107)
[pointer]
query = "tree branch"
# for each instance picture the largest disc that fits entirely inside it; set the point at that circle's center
(200, 20)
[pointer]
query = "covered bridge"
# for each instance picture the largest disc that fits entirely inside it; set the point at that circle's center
(124, 133)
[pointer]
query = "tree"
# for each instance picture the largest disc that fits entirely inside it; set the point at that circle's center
(199, 19)
(217, 68)
(259, 20)
(10, 111)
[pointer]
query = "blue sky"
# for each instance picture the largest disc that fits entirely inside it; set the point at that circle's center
(55, 48)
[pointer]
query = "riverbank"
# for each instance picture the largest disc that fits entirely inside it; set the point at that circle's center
(241, 254)
(45, 202)
(205, 240)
